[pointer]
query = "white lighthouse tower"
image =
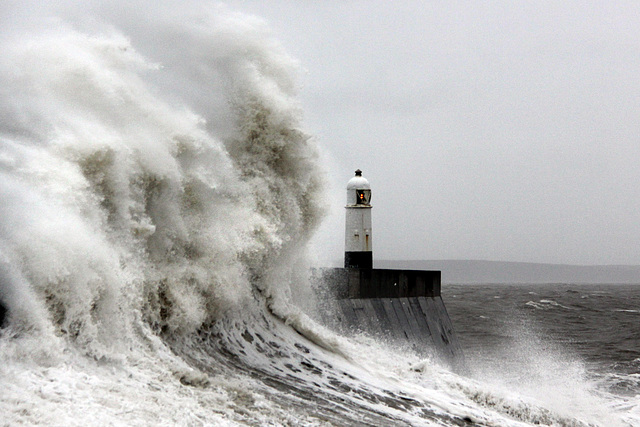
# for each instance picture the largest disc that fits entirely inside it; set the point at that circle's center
(358, 243)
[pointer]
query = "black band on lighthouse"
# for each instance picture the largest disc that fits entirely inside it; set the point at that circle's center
(358, 259)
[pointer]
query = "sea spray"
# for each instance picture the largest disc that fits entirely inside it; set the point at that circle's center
(125, 219)
(138, 202)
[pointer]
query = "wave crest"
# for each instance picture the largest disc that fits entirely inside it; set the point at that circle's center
(124, 205)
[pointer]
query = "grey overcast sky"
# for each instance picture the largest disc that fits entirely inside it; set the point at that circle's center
(501, 130)
(497, 130)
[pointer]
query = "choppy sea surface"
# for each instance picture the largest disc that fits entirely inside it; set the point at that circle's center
(551, 336)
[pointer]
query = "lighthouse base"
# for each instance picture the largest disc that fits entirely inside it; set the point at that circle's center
(360, 259)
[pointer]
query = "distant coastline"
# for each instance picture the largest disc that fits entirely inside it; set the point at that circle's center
(474, 271)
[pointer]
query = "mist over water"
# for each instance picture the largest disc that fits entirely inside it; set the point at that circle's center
(157, 200)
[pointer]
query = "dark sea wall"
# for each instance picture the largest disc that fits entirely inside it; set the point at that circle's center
(381, 283)
(401, 307)
(454, 271)
(421, 324)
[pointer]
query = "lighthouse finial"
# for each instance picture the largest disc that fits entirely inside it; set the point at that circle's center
(358, 172)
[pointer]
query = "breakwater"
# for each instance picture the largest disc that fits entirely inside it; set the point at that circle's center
(403, 307)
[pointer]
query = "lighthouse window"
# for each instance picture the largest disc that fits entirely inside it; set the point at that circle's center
(363, 197)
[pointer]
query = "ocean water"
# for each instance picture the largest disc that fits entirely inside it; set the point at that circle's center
(558, 342)
(158, 192)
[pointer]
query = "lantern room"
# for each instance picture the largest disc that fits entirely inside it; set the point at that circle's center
(358, 191)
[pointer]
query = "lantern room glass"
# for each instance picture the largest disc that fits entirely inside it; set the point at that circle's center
(363, 197)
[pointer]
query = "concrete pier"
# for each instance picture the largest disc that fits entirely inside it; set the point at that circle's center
(403, 307)
(382, 283)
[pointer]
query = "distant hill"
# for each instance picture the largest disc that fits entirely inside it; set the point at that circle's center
(468, 271)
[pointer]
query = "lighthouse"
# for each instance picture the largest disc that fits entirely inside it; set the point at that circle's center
(404, 306)
(358, 242)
